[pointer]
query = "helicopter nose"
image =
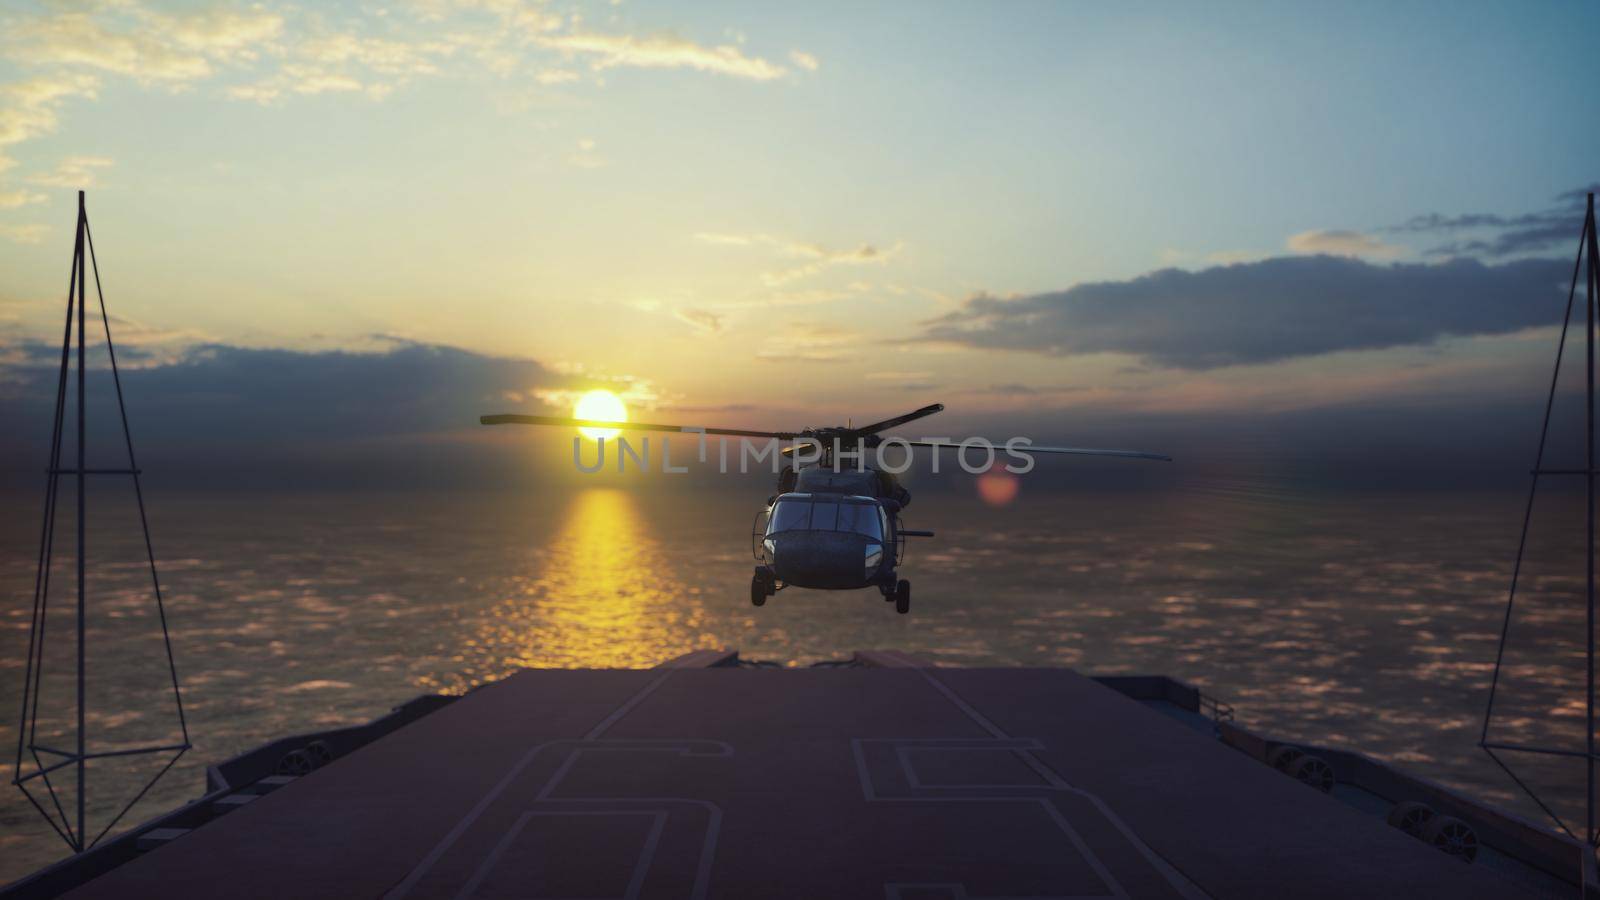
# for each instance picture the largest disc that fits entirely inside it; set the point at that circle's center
(820, 559)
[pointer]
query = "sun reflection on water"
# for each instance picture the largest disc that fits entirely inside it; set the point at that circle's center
(602, 594)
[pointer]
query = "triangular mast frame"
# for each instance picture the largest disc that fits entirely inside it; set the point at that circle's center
(74, 829)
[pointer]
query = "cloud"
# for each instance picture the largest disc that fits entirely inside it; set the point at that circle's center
(1007, 390)
(1263, 312)
(821, 257)
(585, 156)
(709, 407)
(661, 51)
(817, 257)
(812, 297)
(804, 60)
(24, 234)
(269, 52)
(556, 76)
(214, 393)
(156, 346)
(321, 62)
(30, 108)
(906, 381)
(68, 50)
(16, 198)
(708, 322)
(809, 342)
(398, 413)
(150, 47)
(634, 392)
(1498, 236)
(73, 172)
(735, 240)
(1174, 257)
(1341, 243)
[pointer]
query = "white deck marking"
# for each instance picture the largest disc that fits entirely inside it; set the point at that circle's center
(640, 867)
(1178, 880)
(405, 886)
(1021, 796)
(624, 709)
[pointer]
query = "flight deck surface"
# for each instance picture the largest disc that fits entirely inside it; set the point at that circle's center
(868, 782)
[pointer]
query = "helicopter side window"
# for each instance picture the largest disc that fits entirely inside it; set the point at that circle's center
(790, 515)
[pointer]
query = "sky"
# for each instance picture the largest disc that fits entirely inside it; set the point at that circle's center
(347, 223)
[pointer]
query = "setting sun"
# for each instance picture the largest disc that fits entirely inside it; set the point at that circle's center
(600, 406)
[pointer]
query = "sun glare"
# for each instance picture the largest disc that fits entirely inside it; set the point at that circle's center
(997, 487)
(600, 406)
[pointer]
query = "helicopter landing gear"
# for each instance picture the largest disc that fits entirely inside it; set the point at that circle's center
(762, 586)
(902, 597)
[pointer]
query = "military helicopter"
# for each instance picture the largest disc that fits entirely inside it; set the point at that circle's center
(830, 526)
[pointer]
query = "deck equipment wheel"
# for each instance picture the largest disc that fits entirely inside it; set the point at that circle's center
(902, 597)
(758, 590)
(1284, 757)
(1411, 817)
(319, 752)
(1453, 836)
(295, 762)
(1314, 771)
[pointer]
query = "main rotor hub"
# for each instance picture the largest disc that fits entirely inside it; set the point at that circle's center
(847, 437)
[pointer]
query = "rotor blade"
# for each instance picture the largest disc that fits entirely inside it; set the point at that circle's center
(1035, 448)
(629, 426)
(876, 427)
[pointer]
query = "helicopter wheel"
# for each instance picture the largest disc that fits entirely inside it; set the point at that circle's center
(902, 597)
(758, 590)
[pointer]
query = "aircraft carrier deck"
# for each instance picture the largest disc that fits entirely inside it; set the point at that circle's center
(879, 778)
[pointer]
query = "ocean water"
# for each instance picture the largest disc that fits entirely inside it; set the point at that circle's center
(1365, 620)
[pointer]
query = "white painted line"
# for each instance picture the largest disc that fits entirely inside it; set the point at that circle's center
(1178, 880)
(405, 886)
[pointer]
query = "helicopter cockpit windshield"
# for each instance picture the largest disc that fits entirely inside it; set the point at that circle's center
(811, 512)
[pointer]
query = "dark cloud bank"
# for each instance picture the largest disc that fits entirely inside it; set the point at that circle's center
(1295, 306)
(223, 413)
(1493, 235)
(1266, 311)
(235, 394)
(231, 417)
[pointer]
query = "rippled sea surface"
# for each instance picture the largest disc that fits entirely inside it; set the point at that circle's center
(1365, 621)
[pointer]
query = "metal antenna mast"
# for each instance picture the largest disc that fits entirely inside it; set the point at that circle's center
(1588, 250)
(75, 829)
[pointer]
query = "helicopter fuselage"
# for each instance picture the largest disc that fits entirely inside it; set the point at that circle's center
(832, 529)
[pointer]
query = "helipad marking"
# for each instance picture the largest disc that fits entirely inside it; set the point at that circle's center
(405, 886)
(1179, 882)
(641, 865)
